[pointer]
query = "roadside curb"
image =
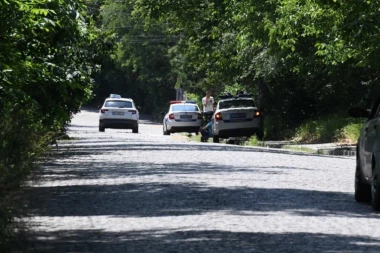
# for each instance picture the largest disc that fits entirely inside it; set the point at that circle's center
(333, 149)
(349, 151)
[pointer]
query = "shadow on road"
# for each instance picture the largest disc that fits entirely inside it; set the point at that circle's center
(214, 241)
(88, 197)
(87, 147)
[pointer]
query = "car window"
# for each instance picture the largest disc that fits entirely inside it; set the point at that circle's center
(119, 104)
(236, 103)
(186, 108)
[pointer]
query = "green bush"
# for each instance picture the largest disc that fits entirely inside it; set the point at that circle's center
(253, 141)
(331, 128)
(23, 140)
(351, 132)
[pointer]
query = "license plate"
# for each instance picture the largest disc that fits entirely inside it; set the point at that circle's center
(117, 113)
(185, 117)
(238, 116)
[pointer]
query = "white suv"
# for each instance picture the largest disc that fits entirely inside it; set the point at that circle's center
(237, 117)
(120, 113)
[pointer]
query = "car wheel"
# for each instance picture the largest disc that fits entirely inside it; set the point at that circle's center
(215, 139)
(362, 190)
(375, 192)
(135, 130)
(101, 129)
(196, 133)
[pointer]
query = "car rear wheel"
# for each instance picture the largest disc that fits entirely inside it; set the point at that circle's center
(101, 129)
(215, 139)
(164, 131)
(135, 130)
(362, 190)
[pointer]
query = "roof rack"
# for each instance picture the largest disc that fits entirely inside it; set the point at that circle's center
(225, 96)
(246, 95)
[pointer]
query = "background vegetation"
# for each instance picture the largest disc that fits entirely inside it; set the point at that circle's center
(301, 59)
(305, 62)
(49, 51)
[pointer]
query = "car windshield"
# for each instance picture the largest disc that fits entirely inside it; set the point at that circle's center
(118, 104)
(236, 103)
(186, 108)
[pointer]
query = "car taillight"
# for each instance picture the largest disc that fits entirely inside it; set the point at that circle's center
(103, 110)
(257, 114)
(132, 111)
(171, 116)
(218, 116)
(200, 116)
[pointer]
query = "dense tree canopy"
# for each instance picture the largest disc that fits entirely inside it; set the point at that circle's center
(300, 58)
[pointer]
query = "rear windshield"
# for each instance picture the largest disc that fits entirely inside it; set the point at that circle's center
(186, 108)
(118, 104)
(236, 103)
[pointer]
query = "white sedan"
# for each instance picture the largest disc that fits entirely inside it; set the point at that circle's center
(120, 113)
(237, 117)
(182, 116)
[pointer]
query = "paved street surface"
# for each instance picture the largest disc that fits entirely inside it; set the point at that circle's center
(122, 192)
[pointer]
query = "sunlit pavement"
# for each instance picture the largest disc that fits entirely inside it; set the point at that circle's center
(122, 192)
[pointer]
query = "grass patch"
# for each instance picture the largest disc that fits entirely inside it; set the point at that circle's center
(331, 128)
(254, 141)
(299, 149)
(193, 137)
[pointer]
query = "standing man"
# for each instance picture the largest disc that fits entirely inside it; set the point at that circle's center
(208, 104)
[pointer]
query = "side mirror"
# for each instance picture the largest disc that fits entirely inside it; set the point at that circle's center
(357, 112)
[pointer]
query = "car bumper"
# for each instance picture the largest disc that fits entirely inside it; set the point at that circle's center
(192, 126)
(241, 132)
(118, 123)
(230, 129)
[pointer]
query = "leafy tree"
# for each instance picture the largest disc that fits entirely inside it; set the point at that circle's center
(141, 54)
(48, 54)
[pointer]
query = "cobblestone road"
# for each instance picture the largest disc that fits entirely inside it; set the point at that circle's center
(123, 192)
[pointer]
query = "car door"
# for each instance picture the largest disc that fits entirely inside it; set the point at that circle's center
(370, 134)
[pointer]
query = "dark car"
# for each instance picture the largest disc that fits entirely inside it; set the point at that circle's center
(367, 175)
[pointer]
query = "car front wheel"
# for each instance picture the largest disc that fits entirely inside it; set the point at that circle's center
(135, 130)
(215, 139)
(362, 190)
